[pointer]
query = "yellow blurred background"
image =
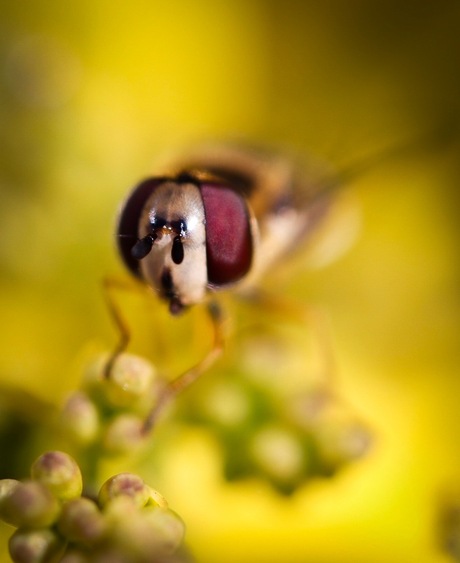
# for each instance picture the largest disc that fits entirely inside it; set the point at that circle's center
(92, 92)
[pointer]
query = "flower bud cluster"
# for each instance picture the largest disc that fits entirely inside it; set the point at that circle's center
(110, 408)
(286, 440)
(128, 521)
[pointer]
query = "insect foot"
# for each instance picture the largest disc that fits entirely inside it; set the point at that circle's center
(110, 413)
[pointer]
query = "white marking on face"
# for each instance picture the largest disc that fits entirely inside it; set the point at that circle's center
(173, 203)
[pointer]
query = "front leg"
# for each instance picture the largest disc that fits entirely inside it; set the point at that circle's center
(188, 377)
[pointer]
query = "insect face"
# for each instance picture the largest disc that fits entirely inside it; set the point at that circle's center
(184, 235)
(172, 222)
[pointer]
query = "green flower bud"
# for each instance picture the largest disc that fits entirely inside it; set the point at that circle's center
(337, 435)
(6, 486)
(140, 532)
(168, 529)
(60, 473)
(80, 418)
(125, 434)
(30, 505)
(35, 546)
(226, 404)
(279, 454)
(307, 408)
(82, 522)
(341, 441)
(125, 485)
(118, 509)
(77, 556)
(130, 381)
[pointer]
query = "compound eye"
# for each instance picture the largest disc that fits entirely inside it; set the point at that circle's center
(229, 245)
(128, 223)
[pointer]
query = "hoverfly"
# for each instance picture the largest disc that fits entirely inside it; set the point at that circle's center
(220, 218)
(223, 215)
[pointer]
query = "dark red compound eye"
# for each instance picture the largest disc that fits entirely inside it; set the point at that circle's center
(128, 222)
(229, 246)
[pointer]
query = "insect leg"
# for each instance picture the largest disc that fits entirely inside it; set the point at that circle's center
(187, 378)
(109, 285)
